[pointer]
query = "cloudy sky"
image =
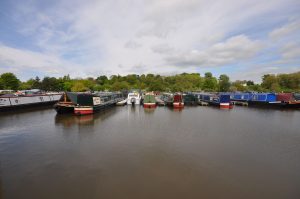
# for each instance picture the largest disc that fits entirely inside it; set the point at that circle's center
(241, 38)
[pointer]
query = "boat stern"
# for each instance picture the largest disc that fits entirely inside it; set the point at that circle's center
(83, 110)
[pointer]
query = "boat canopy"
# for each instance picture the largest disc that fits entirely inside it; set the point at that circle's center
(149, 98)
(83, 99)
(72, 97)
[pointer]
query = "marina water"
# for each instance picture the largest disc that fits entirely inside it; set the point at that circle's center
(131, 152)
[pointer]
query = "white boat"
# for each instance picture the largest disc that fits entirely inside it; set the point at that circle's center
(134, 98)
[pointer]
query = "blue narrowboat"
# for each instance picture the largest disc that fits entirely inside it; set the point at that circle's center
(280, 100)
(221, 99)
(262, 99)
(254, 98)
(242, 97)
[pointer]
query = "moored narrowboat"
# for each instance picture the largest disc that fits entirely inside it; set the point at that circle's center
(70, 100)
(262, 99)
(279, 100)
(86, 103)
(288, 100)
(190, 99)
(254, 99)
(178, 101)
(240, 97)
(83, 110)
(167, 98)
(220, 99)
(149, 100)
(26, 99)
(98, 101)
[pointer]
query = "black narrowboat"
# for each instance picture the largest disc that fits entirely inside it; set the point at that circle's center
(86, 103)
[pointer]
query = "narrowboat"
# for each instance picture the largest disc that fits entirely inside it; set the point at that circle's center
(70, 100)
(86, 103)
(240, 97)
(134, 98)
(178, 101)
(262, 99)
(149, 100)
(190, 99)
(198, 97)
(27, 99)
(100, 101)
(283, 100)
(175, 100)
(221, 100)
(159, 100)
(167, 98)
(288, 100)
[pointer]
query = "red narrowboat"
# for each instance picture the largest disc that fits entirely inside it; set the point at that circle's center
(178, 101)
(288, 100)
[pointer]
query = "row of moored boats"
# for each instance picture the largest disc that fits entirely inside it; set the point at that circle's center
(82, 103)
(222, 100)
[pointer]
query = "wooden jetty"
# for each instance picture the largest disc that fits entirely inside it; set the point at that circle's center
(201, 103)
(240, 103)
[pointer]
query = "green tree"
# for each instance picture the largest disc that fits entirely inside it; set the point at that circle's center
(1, 84)
(238, 86)
(50, 84)
(210, 83)
(117, 86)
(66, 78)
(224, 83)
(31, 84)
(269, 81)
(79, 87)
(255, 87)
(180, 82)
(10, 81)
(102, 80)
(67, 86)
(25, 86)
(156, 86)
(98, 87)
(250, 83)
(36, 83)
(289, 81)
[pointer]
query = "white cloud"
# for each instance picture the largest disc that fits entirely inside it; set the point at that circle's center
(291, 51)
(22, 60)
(233, 50)
(285, 30)
(90, 37)
(285, 39)
(162, 49)
(255, 73)
(132, 44)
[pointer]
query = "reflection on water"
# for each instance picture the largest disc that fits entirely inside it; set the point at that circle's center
(149, 110)
(69, 120)
(132, 152)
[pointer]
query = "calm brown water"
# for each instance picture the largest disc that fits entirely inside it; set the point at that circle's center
(125, 152)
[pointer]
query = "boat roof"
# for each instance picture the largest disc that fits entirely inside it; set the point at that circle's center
(8, 95)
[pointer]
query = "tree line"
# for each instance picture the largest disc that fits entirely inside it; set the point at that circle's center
(151, 82)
